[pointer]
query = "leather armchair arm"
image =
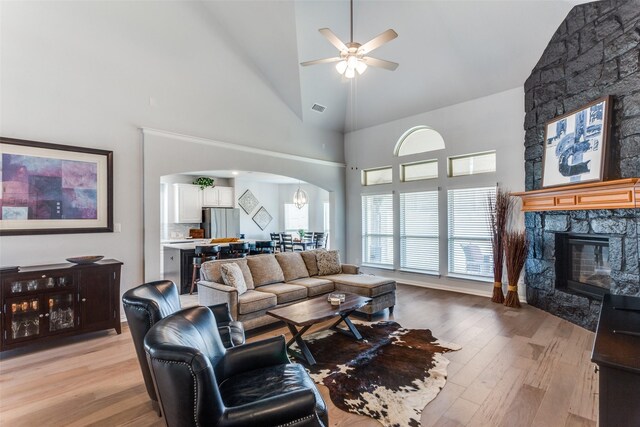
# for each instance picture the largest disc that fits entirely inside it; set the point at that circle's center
(225, 336)
(255, 355)
(350, 269)
(276, 410)
(221, 313)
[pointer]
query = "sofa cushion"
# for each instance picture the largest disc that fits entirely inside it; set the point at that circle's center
(264, 270)
(309, 258)
(292, 265)
(252, 301)
(315, 286)
(328, 263)
(232, 276)
(363, 284)
(284, 292)
(210, 271)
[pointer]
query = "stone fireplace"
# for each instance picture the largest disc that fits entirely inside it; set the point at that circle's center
(594, 52)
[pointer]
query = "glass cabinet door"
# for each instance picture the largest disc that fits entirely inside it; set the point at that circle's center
(24, 317)
(60, 311)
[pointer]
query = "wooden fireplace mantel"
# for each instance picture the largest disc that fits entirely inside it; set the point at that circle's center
(617, 194)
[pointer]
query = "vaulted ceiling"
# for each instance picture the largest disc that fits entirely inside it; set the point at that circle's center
(449, 52)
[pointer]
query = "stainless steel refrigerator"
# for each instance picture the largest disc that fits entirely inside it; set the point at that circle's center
(220, 222)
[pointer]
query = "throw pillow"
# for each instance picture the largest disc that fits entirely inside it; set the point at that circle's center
(310, 261)
(292, 265)
(232, 276)
(328, 262)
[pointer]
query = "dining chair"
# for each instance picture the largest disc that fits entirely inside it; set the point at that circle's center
(277, 238)
(320, 239)
(287, 243)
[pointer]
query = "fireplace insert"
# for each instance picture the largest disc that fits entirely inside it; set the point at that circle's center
(582, 264)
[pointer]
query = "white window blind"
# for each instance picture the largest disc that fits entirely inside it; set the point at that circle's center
(419, 231)
(469, 234)
(377, 229)
(295, 219)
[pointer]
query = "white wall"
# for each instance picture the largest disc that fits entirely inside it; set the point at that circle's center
(267, 195)
(92, 73)
(490, 123)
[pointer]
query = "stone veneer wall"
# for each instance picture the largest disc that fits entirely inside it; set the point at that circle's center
(594, 52)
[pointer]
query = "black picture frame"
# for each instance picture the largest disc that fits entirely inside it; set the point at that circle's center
(37, 198)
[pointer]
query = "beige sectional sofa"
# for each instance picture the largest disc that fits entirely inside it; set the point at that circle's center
(285, 278)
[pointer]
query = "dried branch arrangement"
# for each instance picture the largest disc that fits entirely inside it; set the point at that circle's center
(499, 211)
(515, 244)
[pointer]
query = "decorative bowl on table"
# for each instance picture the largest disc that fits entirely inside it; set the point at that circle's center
(89, 259)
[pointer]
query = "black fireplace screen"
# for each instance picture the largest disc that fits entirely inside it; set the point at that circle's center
(584, 264)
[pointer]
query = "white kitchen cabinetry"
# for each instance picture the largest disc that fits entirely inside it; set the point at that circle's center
(217, 197)
(188, 203)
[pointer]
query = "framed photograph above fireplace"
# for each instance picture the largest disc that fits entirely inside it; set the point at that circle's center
(575, 145)
(53, 189)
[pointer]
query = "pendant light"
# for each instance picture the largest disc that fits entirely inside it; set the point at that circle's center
(300, 198)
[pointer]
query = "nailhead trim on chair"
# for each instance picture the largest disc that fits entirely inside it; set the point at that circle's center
(290, 423)
(195, 386)
(135, 307)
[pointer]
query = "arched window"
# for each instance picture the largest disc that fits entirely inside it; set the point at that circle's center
(419, 139)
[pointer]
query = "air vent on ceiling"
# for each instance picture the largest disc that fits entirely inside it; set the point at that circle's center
(319, 108)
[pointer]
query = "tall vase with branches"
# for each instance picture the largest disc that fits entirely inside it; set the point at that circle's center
(515, 244)
(499, 212)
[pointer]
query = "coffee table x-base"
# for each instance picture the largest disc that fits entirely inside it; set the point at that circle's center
(307, 313)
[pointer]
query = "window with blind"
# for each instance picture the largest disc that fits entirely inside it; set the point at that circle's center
(295, 219)
(469, 234)
(377, 230)
(419, 231)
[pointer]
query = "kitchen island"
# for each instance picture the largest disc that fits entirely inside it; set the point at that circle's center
(177, 260)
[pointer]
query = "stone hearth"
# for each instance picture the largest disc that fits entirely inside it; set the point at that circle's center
(594, 52)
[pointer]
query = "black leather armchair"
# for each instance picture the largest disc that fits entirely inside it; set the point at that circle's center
(200, 382)
(146, 304)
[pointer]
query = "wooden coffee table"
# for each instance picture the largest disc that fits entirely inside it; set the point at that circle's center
(307, 313)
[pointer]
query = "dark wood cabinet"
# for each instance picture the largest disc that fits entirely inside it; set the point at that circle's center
(616, 351)
(178, 267)
(48, 301)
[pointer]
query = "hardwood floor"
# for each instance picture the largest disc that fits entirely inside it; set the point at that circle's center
(516, 368)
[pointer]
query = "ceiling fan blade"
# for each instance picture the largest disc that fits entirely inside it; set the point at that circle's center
(378, 41)
(333, 39)
(380, 63)
(321, 61)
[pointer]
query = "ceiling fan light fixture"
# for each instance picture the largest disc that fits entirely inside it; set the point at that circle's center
(350, 73)
(341, 67)
(361, 67)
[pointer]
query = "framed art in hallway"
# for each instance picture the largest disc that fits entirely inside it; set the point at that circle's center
(575, 145)
(54, 189)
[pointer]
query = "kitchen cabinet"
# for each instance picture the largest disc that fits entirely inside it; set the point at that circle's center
(45, 302)
(178, 266)
(188, 203)
(217, 197)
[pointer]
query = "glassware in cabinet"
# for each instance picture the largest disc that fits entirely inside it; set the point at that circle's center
(61, 312)
(24, 317)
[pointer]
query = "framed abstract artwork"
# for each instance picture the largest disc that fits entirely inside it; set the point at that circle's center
(262, 218)
(248, 202)
(575, 145)
(54, 189)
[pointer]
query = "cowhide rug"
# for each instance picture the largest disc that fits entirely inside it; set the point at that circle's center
(390, 375)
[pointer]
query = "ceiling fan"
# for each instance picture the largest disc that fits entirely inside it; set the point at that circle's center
(354, 56)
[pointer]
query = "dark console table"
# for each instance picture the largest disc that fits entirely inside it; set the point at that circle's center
(616, 351)
(45, 302)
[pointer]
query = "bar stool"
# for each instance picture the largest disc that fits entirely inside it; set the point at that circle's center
(265, 247)
(239, 250)
(203, 253)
